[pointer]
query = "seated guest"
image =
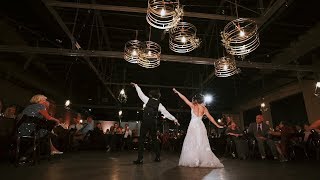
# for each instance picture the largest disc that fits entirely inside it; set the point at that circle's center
(76, 123)
(88, 126)
(241, 145)
(299, 133)
(38, 108)
(127, 136)
(97, 136)
(260, 131)
(10, 112)
(286, 133)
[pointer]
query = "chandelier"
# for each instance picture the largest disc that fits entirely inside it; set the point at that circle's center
(122, 97)
(163, 14)
(132, 50)
(240, 36)
(263, 107)
(225, 67)
(149, 56)
(183, 38)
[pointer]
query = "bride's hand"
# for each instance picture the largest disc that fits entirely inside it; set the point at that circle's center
(174, 90)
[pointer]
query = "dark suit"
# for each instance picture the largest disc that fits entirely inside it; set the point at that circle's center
(149, 124)
(253, 129)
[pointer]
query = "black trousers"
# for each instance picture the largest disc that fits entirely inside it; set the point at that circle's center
(151, 127)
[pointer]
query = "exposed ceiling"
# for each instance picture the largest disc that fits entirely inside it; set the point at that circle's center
(289, 31)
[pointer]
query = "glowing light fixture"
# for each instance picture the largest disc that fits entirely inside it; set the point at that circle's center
(225, 67)
(163, 14)
(183, 38)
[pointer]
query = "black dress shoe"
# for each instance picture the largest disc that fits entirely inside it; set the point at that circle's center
(138, 161)
(157, 159)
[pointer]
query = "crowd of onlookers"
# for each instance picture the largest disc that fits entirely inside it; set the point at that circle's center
(74, 131)
(284, 142)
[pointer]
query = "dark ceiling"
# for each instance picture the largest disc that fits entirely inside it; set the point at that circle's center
(30, 23)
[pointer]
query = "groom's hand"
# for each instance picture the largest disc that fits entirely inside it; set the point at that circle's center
(133, 84)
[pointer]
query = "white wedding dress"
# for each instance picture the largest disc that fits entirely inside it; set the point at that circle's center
(196, 150)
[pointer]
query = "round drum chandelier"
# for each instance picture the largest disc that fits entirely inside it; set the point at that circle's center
(240, 36)
(132, 51)
(183, 38)
(163, 14)
(225, 67)
(149, 56)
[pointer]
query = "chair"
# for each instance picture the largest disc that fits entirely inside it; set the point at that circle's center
(28, 133)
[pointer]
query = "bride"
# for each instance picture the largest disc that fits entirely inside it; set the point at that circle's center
(196, 150)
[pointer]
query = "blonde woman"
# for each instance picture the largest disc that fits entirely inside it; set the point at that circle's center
(38, 108)
(196, 150)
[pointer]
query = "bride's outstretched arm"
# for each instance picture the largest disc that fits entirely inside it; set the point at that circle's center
(183, 98)
(206, 112)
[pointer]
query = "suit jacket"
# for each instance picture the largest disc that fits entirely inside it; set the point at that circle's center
(253, 129)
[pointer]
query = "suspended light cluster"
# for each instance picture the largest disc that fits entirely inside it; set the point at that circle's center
(122, 97)
(240, 36)
(183, 38)
(225, 67)
(149, 56)
(146, 54)
(163, 14)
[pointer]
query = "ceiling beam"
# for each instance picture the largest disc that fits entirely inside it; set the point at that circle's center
(77, 45)
(270, 12)
(34, 81)
(97, 106)
(305, 44)
(169, 58)
(152, 85)
(134, 10)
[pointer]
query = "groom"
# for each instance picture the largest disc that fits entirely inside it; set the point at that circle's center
(149, 122)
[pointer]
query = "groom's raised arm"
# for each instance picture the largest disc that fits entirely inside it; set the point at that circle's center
(141, 95)
(166, 114)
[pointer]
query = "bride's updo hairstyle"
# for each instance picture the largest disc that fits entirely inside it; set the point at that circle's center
(198, 98)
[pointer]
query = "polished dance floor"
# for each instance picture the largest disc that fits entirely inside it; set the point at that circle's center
(118, 166)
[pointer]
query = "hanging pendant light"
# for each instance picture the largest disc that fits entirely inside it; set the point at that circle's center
(163, 14)
(225, 67)
(183, 38)
(240, 36)
(132, 51)
(150, 54)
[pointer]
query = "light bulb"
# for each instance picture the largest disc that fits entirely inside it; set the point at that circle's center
(225, 67)
(67, 103)
(183, 39)
(263, 105)
(120, 113)
(134, 53)
(163, 12)
(122, 92)
(318, 84)
(219, 120)
(81, 121)
(241, 34)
